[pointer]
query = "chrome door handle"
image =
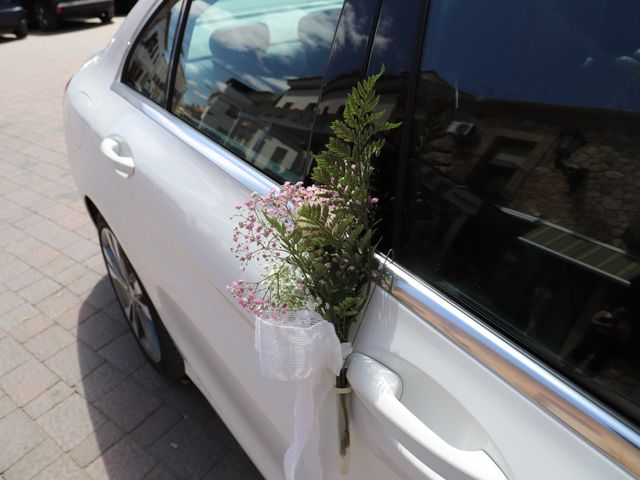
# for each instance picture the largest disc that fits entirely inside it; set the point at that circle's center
(117, 150)
(379, 389)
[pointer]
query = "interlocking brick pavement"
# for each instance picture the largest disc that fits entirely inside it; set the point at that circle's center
(77, 397)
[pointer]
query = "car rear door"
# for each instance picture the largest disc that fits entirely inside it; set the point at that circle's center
(500, 341)
(233, 115)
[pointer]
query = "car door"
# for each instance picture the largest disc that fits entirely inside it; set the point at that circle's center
(231, 116)
(501, 341)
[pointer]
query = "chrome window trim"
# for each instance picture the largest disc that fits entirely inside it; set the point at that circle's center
(239, 170)
(593, 422)
(77, 3)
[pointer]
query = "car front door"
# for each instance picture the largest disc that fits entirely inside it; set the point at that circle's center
(501, 341)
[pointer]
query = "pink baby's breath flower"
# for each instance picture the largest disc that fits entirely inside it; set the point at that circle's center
(374, 200)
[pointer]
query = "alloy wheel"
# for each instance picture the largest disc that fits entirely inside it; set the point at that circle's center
(131, 295)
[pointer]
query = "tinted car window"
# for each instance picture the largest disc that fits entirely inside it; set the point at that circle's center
(523, 185)
(148, 65)
(250, 74)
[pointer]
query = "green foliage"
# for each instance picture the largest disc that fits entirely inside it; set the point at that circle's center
(341, 231)
(316, 244)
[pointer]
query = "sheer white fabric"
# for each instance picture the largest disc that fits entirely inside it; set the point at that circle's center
(303, 347)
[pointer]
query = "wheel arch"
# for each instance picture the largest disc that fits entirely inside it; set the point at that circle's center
(92, 209)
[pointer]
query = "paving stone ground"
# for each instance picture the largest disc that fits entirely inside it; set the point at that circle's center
(77, 398)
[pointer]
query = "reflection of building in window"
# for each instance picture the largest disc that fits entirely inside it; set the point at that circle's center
(273, 138)
(147, 69)
(509, 158)
(278, 154)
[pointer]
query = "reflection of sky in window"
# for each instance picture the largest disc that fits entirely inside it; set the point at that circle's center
(582, 53)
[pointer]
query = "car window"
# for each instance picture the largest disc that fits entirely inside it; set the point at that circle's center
(249, 77)
(147, 68)
(522, 197)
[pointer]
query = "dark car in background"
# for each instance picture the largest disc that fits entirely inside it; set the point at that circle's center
(13, 18)
(48, 14)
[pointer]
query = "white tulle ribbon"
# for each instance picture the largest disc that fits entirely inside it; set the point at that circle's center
(302, 347)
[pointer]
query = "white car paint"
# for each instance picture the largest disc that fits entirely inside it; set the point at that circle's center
(171, 214)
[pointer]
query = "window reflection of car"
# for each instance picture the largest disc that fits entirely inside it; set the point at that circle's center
(13, 18)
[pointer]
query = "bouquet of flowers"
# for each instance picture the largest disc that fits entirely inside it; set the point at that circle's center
(316, 243)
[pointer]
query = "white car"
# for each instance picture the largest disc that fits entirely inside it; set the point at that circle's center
(502, 339)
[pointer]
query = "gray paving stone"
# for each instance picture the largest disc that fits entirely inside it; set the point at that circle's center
(47, 400)
(81, 250)
(49, 342)
(156, 425)
(152, 380)
(27, 381)
(96, 443)
(6, 406)
(125, 460)
(11, 355)
(124, 353)
(41, 255)
(30, 327)
(13, 268)
(25, 279)
(234, 466)
(39, 290)
(85, 283)
(188, 400)
(128, 404)
(24, 436)
(15, 317)
(75, 315)
(55, 267)
(34, 462)
(58, 302)
(190, 450)
(96, 262)
(102, 294)
(99, 330)
(62, 468)
(9, 301)
(74, 362)
(100, 381)
(161, 472)
(71, 274)
(71, 421)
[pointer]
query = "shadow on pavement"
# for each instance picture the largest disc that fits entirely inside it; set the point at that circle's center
(145, 425)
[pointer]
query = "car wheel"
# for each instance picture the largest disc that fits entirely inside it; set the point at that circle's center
(22, 31)
(46, 17)
(152, 336)
(106, 17)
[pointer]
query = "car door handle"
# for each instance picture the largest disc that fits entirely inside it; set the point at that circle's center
(379, 389)
(117, 150)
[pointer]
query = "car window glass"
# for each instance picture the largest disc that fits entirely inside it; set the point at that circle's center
(148, 66)
(522, 197)
(249, 77)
